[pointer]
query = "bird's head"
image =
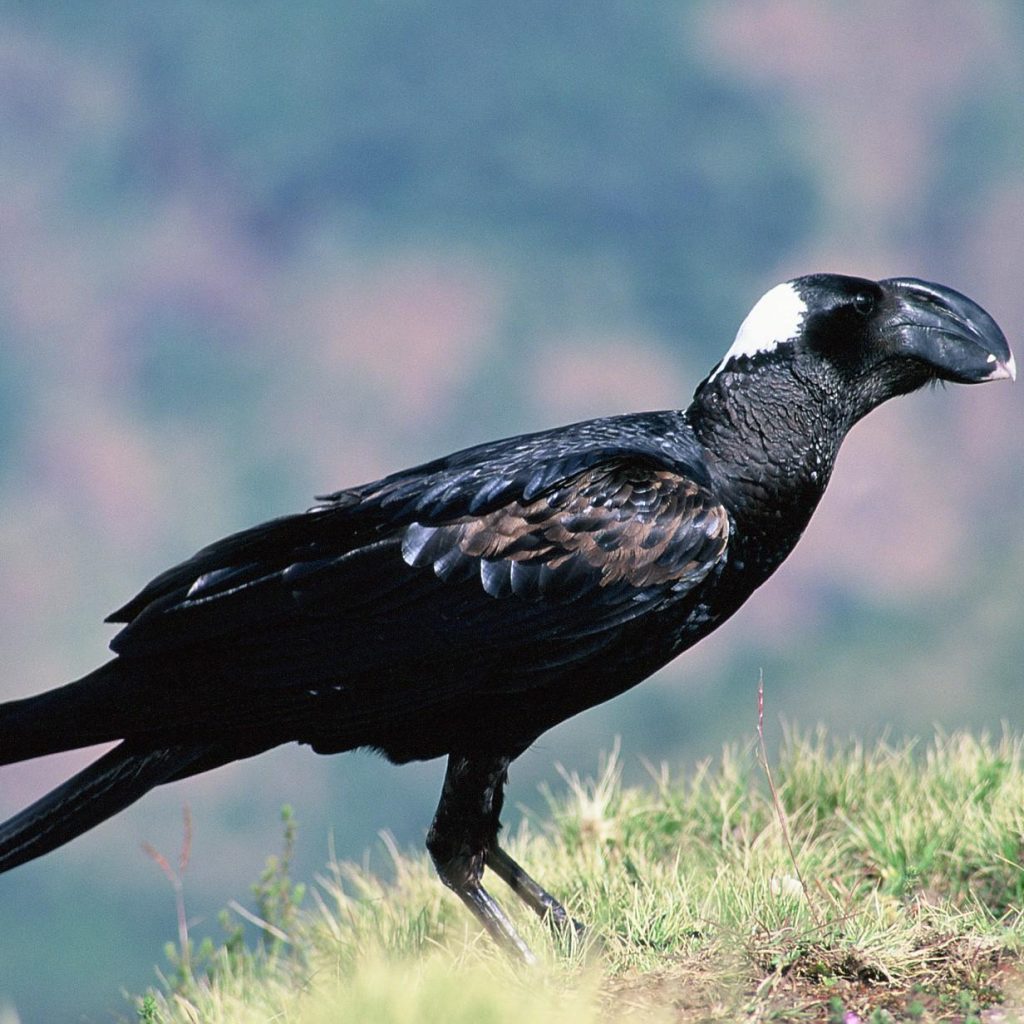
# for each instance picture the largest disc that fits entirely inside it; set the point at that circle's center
(865, 341)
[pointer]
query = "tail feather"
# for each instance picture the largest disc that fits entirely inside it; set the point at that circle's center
(88, 711)
(106, 786)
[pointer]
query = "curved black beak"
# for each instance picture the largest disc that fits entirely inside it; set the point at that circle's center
(948, 332)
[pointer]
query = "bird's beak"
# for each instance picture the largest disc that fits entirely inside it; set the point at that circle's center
(950, 333)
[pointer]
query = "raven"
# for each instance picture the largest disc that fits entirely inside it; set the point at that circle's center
(465, 606)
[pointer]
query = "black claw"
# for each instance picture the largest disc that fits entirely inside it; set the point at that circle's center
(487, 911)
(535, 896)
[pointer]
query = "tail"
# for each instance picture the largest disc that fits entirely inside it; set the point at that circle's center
(90, 710)
(107, 786)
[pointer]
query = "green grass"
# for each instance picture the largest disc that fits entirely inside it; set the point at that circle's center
(880, 884)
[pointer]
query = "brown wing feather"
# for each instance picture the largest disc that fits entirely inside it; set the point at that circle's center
(616, 523)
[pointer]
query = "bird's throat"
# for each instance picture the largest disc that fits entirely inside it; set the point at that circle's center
(771, 443)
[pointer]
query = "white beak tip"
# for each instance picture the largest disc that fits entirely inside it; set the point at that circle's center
(1003, 370)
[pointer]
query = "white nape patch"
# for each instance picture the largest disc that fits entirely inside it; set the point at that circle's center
(775, 318)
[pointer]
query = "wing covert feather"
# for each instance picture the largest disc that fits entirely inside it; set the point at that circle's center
(618, 523)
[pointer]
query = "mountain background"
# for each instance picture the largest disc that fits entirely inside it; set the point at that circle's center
(254, 252)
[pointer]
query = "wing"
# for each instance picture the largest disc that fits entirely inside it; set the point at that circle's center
(474, 481)
(474, 548)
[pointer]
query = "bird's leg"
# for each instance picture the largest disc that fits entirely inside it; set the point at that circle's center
(534, 895)
(464, 830)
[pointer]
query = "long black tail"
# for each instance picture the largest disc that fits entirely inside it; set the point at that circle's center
(107, 786)
(90, 710)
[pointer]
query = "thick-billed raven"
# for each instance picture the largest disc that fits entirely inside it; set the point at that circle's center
(465, 606)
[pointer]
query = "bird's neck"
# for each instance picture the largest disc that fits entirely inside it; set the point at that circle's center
(771, 440)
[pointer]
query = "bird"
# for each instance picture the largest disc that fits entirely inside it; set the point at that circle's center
(463, 607)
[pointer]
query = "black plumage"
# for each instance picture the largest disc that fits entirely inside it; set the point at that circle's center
(465, 606)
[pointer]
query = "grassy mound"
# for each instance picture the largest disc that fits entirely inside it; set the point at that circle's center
(851, 885)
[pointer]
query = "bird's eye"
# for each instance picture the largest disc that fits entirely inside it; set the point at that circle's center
(864, 303)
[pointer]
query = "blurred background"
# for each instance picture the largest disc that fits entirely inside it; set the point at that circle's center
(254, 252)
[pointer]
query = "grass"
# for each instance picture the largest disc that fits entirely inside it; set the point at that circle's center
(866, 884)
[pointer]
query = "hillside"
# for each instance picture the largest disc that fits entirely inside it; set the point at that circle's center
(876, 884)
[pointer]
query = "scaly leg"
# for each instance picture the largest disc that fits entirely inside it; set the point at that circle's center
(463, 840)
